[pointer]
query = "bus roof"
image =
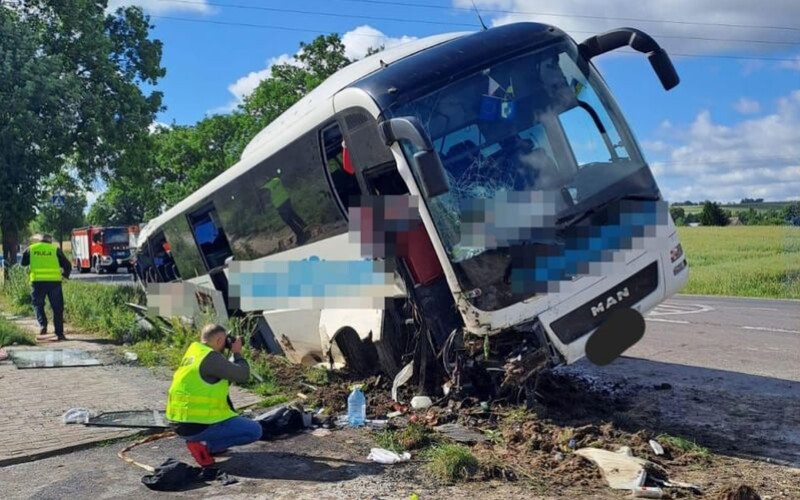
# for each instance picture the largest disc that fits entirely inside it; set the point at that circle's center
(280, 131)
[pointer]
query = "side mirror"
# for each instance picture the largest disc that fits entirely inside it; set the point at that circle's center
(638, 41)
(432, 175)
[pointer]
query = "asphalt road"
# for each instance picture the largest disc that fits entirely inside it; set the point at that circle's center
(752, 336)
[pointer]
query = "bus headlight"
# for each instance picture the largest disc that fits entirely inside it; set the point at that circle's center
(676, 253)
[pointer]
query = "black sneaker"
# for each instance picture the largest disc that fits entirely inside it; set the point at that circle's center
(61, 337)
(43, 331)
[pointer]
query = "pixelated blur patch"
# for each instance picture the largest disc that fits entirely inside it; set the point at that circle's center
(622, 329)
(311, 283)
(591, 248)
(377, 223)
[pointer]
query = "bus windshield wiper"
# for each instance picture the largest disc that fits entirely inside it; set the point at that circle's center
(577, 216)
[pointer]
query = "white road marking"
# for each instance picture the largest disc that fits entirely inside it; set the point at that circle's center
(765, 329)
(662, 320)
(764, 308)
(667, 309)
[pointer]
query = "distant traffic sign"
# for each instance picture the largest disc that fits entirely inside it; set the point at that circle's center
(58, 200)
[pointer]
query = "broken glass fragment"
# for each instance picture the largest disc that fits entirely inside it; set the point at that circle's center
(51, 358)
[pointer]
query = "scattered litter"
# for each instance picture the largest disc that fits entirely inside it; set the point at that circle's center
(383, 456)
(421, 402)
(558, 456)
(679, 485)
(572, 444)
(657, 448)
(394, 414)
(356, 407)
(485, 405)
(286, 419)
(376, 424)
(447, 387)
(302, 396)
(135, 419)
(647, 492)
(401, 378)
(76, 416)
(131, 356)
(321, 433)
(52, 358)
(620, 470)
(458, 432)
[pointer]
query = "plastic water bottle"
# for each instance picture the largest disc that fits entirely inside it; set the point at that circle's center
(356, 407)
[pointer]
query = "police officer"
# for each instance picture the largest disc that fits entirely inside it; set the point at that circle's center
(47, 267)
(198, 405)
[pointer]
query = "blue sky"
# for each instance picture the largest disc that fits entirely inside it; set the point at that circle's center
(731, 128)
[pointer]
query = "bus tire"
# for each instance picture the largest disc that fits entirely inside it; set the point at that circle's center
(359, 355)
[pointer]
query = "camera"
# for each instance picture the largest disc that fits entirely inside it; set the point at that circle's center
(229, 340)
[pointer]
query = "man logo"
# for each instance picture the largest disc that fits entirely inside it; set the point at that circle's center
(610, 301)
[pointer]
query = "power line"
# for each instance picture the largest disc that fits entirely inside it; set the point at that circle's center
(582, 16)
(306, 30)
(447, 23)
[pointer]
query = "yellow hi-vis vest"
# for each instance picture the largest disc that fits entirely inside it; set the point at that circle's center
(193, 400)
(44, 263)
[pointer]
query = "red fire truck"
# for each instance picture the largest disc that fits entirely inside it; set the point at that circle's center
(101, 249)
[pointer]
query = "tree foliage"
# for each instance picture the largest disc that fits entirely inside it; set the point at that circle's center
(60, 221)
(182, 158)
(713, 215)
(71, 94)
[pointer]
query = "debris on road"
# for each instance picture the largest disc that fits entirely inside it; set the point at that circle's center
(421, 402)
(621, 470)
(401, 378)
(741, 492)
(657, 448)
(75, 416)
(132, 419)
(52, 358)
(387, 457)
(131, 356)
(461, 434)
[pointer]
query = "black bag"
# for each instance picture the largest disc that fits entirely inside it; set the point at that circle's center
(282, 420)
(173, 475)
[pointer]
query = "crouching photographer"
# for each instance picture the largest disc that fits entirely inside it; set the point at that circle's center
(199, 406)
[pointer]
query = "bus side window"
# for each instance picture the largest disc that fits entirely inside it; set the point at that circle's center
(210, 237)
(342, 176)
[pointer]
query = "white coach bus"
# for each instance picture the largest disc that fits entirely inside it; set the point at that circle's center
(539, 213)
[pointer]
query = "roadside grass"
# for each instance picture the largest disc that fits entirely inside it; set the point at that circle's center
(745, 261)
(451, 462)
(414, 436)
(684, 445)
(11, 334)
(92, 307)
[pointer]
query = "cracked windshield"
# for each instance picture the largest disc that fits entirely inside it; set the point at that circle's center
(526, 144)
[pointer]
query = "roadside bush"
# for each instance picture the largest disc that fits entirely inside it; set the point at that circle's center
(101, 309)
(452, 462)
(11, 334)
(16, 291)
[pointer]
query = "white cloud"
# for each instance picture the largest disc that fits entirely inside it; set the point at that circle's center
(747, 106)
(795, 64)
(156, 125)
(356, 43)
(359, 40)
(161, 6)
(758, 157)
(741, 12)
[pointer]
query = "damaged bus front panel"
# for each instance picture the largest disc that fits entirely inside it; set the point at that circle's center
(536, 213)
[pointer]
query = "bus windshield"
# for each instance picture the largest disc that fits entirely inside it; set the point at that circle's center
(529, 145)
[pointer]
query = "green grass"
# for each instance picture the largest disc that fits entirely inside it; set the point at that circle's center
(684, 445)
(11, 334)
(92, 307)
(451, 462)
(746, 261)
(414, 436)
(736, 208)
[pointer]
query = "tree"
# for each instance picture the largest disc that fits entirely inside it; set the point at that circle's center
(289, 83)
(677, 213)
(60, 221)
(713, 215)
(70, 95)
